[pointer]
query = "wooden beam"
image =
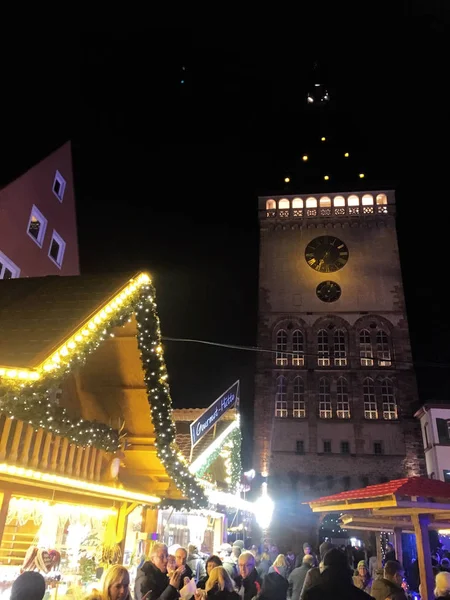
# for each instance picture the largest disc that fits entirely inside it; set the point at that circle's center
(398, 544)
(388, 503)
(424, 555)
(379, 552)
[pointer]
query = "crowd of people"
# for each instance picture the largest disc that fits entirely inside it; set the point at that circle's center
(235, 573)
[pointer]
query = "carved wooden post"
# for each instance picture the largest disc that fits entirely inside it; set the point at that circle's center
(14, 452)
(25, 454)
(80, 451)
(46, 450)
(4, 513)
(62, 456)
(70, 460)
(55, 452)
(5, 437)
(84, 466)
(37, 448)
(92, 463)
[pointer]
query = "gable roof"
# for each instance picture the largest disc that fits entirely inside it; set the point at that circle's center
(420, 487)
(37, 314)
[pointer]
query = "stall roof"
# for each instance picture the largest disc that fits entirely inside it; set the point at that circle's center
(412, 487)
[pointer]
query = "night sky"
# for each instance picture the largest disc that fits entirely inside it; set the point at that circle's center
(168, 173)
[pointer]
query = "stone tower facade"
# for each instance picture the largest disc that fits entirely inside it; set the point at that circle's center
(335, 399)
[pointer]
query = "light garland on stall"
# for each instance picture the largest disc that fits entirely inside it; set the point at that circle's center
(36, 404)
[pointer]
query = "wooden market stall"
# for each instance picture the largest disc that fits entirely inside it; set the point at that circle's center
(410, 505)
(86, 428)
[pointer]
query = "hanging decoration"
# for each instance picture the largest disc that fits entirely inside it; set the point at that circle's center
(35, 402)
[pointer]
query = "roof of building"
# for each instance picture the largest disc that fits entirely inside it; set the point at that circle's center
(430, 405)
(38, 313)
(420, 487)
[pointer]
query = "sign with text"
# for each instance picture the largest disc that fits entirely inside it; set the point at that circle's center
(212, 414)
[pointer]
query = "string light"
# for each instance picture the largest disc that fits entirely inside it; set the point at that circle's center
(346, 155)
(287, 179)
(323, 139)
(361, 175)
(305, 157)
(77, 484)
(327, 177)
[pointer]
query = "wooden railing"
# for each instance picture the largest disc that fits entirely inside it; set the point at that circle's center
(22, 445)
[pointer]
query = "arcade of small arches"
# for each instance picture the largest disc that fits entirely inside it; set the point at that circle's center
(334, 398)
(331, 348)
(312, 206)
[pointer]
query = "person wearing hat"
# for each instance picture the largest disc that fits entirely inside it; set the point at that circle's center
(335, 581)
(362, 578)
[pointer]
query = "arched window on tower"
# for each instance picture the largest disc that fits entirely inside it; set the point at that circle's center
(343, 404)
(298, 349)
(281, 356)
(323, 348)
(388, 400)
(339, 201)
(271, 205)
(284, 203)
(340, 351)
(370, 399)
(281, 397)
(325, 201)
(311, 202)
(365, 348)
(353, 200)
(298, 404)
(381, 199)
(297, 203)
(383, 349)
(367, 200)
(325, 408)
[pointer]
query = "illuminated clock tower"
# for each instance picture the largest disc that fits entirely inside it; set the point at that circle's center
(335, 399)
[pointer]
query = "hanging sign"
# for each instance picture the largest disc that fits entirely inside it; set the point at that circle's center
(212, 414)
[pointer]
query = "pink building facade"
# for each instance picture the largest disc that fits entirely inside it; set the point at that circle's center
(38, 228)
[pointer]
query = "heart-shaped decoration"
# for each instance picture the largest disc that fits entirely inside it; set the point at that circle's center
(44, 561)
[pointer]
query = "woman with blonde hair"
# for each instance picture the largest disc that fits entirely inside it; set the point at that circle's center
(218, 587)
(442, 589)
(116, 583)
(279, 566)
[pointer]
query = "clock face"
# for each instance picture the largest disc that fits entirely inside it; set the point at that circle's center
(326, 254)
(328, 291)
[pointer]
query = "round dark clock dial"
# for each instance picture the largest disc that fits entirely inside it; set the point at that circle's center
(328, 291)
(326, 254)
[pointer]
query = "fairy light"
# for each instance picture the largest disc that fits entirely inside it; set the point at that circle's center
(95, 488)
(217, 444)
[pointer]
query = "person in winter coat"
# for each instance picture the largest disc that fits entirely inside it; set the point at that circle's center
(362, 579)
(312, 577)
(274, 587)
(442, 589)
(30, 585)
(218, 587)
(181, 558)
(212, 562)
(335, 581)
(263, 565)
(248, 583)
(298, 575)
(279, 566)
(152, 580)
(195, 562)
(391, 583)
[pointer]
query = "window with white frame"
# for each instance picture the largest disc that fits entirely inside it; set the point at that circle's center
(388, 399)
(323, 348)
(57, 249)
(325, 408)
(365, 348)
(298, 349)
(59, 186)
(37, 225)
(343, 404)
(340, 351)
(370, 400)
(383, 349)
(8, 270)
(281, 356)
(298, 399)
(281, 397)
